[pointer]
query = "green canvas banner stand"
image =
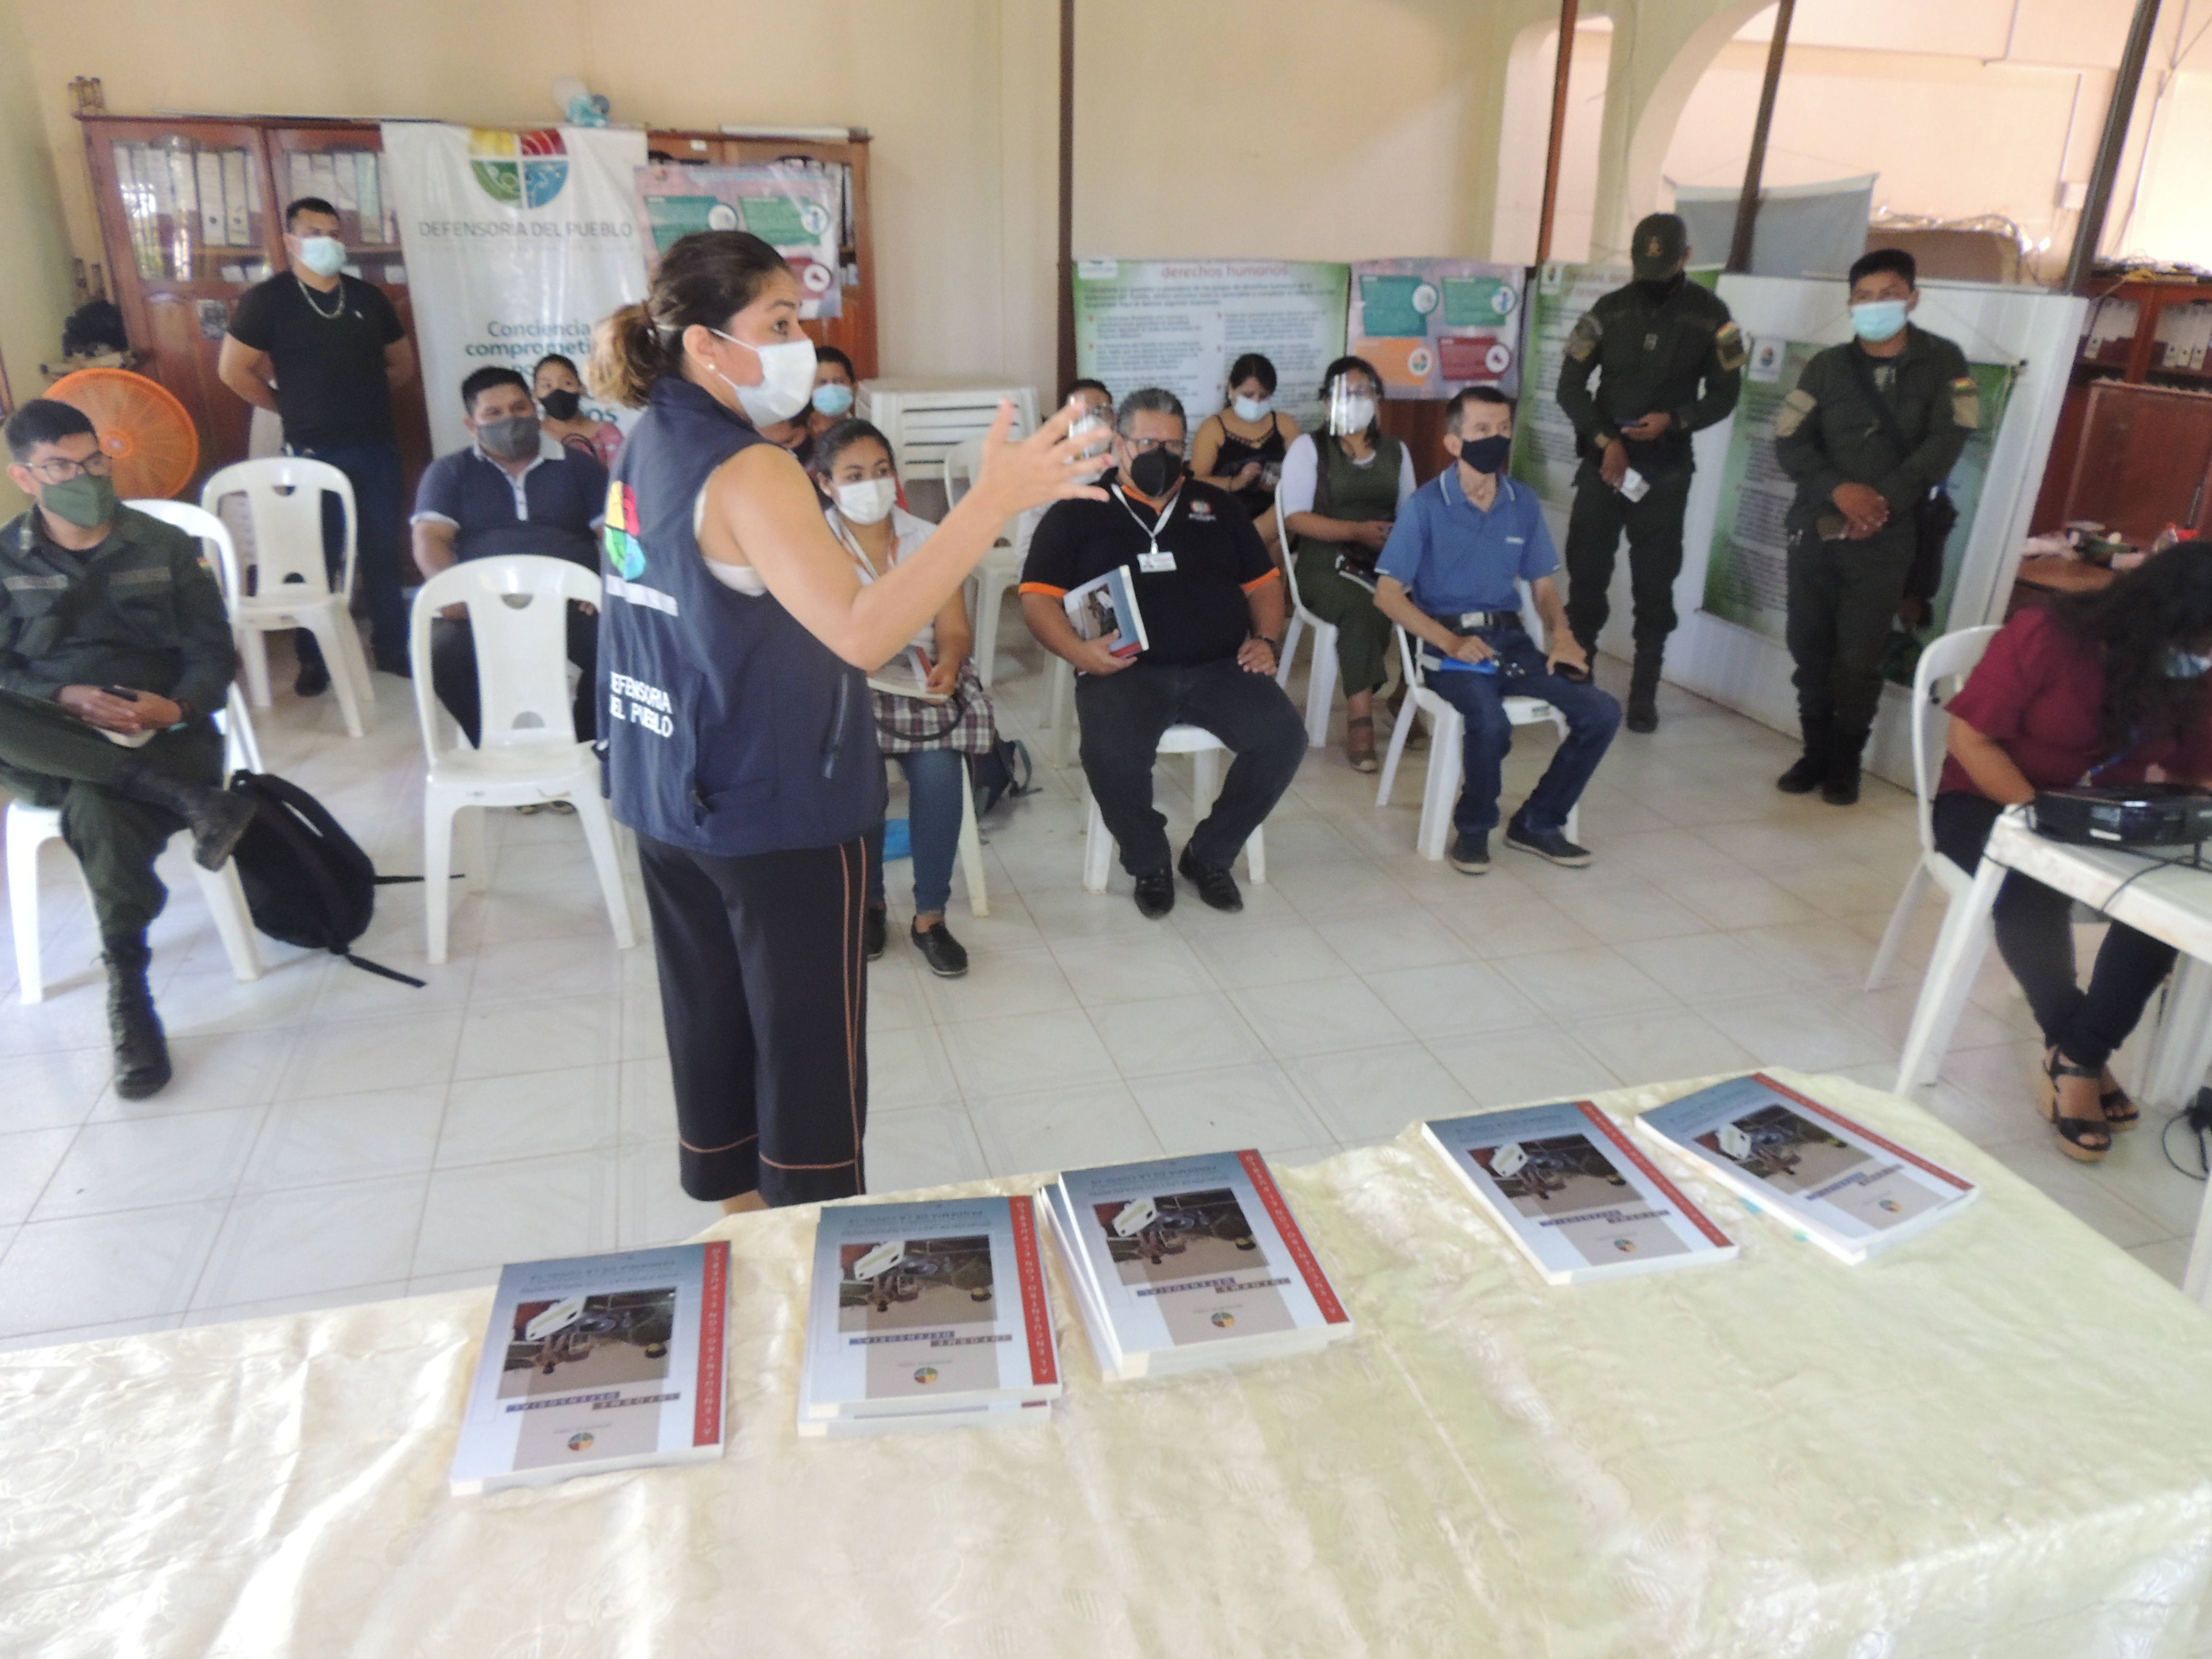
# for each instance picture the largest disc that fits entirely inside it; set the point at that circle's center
(1543, 437)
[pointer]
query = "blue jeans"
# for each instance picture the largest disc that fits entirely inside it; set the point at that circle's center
(379, 515)
(934, 780)
(1592, 719)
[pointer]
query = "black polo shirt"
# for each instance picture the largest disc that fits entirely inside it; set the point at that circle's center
(1197, 612)
(328, 352)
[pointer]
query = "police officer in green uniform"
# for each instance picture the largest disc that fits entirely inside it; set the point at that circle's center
(1869, 434)
(1670, 362)
(114, 651)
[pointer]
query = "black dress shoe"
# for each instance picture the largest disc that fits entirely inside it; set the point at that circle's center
(314, 679)
(873, 930)
(1156, 894)
(1216, 887)
(399, 665)
(946, 957)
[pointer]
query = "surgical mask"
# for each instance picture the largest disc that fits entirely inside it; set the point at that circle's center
(1253, 409)
(1659, 289)
(510, 439)
(324, 255)
(1487, 454)
(85, 501)
(1155, 472)
(868, 502)
(2180, 664)
(1878, 319)
(561, 405)
(786, 379)
(832, 399)
(1349, 411)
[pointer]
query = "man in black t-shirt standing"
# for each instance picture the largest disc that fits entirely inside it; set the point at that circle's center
(1211, 604)
(325, 350)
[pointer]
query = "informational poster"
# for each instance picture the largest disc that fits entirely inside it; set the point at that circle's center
(1543, 437)
(1745, 576)
(1181, 323)
(795, 207)
(1432, 326)
(517, 244)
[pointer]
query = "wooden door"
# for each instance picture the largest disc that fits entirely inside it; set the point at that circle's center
(2144, 460)
(186, 217)
(344, 165)
(853, 331)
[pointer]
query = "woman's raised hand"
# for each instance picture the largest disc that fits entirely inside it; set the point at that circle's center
(1049, 465)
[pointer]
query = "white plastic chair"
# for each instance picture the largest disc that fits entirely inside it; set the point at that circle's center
(1206, 752)
(1001, 567)
(283, 496)
(1322, 671)
(971, 846)
(241, 748)
(527, 750)
(1949, 659)
(1447, 730)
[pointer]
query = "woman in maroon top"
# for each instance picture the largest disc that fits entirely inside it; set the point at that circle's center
(2109, 688)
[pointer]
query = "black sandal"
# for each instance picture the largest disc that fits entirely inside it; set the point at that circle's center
(2076, 1135)
(2121, 1111)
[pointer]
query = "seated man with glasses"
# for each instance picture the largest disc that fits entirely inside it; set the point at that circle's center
(515, 491)
(1211, 602)
(1447, 576)
(114, 653)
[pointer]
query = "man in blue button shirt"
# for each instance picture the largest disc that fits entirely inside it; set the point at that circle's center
(1447, 577)
(514, 490)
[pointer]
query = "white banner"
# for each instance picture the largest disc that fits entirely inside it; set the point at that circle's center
(516, 243)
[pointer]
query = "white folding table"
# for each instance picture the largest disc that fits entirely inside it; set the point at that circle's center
(2170, 900)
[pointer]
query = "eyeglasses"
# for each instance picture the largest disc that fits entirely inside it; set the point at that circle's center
(60, 473)
(1138, 446)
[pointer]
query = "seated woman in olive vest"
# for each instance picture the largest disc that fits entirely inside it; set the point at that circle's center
(1339, 495)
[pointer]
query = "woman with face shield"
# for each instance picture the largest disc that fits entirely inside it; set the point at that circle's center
(1339, 495)
(736, 637)
(560, 394)
(944, 716)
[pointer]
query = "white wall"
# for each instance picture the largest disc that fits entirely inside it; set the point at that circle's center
(1524, 141)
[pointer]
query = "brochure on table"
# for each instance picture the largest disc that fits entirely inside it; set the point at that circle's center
(598, 1362)
(1575, 1195)
(1832, 1179)
(918, 1306)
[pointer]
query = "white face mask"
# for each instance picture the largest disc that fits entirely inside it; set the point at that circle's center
(786, 379)
(1249, 410)
(324, 255)
(1351, 413)
(868, 502)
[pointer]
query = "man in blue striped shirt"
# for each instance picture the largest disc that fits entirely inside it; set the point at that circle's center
(1448, 577)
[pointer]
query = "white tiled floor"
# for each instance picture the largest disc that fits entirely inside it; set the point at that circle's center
(333, 1137)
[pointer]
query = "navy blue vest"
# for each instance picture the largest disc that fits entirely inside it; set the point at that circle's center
(731, 729)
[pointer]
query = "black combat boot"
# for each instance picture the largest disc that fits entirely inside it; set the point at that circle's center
(141, 1052)
(1811, 770)
(1840, 787)
(216, 816)
(1642, 713)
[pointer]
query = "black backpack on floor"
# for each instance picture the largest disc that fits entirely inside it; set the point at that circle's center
(307, 881)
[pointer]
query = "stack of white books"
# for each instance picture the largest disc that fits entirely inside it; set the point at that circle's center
(1824, 1176)
(596, 1363)
(1187, 1262)
(1574, 1195)
(927, 1315)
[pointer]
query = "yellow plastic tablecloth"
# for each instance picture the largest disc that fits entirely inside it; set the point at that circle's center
(1996, 1441)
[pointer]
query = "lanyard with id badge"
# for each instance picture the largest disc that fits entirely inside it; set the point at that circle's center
(1155, 560)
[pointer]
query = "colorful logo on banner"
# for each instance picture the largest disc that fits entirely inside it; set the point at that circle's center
(519, 169)
(625, 552)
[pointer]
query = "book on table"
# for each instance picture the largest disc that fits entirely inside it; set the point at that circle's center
(597, 1363)
(1107, 605)
(1825, 1175)
(1574, 1195)
(1185, 1262)
(926, 1315)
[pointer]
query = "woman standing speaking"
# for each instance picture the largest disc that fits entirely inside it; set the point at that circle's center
(740, 743)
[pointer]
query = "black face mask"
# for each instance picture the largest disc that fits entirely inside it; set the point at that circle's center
(1487, 454)
(1659, 291)
(1155, 472)
(561, 405)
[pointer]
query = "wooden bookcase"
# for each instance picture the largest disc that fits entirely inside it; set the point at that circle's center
(2133, 449)
(155, 180)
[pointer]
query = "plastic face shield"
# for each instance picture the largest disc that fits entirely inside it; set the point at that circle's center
(1350, 408)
